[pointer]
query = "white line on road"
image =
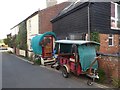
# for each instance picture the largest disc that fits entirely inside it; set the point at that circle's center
(22, 59)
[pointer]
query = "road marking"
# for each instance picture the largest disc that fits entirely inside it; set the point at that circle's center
(49, 68)
(22, 59)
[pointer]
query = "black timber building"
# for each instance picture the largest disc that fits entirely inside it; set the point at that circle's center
(73, 21)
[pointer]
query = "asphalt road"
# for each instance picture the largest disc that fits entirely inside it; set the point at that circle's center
(17, 73)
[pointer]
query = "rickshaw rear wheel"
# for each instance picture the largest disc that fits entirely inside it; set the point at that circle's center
(52, 66)
(90, 82)
(58, 68)
(65, 73)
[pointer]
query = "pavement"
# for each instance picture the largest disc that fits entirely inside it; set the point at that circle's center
(20, 73)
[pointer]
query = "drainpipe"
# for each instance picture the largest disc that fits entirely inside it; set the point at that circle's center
(39, 24)
(89, 21)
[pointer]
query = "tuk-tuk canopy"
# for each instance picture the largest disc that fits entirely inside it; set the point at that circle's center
(35, 42)
(77, 42)
(86, 51)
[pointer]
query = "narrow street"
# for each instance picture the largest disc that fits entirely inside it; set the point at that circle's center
(17, 73)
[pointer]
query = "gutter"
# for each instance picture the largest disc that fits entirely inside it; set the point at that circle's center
(89, 21)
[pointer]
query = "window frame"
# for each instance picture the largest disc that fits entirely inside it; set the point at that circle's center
(30, 46)
(116, 17)
(112, 40)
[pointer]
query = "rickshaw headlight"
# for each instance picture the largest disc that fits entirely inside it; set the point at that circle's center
(97, 76)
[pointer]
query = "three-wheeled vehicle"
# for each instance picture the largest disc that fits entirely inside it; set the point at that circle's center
(78, 57)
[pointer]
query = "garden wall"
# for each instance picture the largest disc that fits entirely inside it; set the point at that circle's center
(22, 52)
(11, 49)
(111, 66)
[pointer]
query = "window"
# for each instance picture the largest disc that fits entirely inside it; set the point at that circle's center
(118, 11)
(118, 16)
(30, 47)
(115, 16)
(112, 10)
(77, 36)
(110, 40)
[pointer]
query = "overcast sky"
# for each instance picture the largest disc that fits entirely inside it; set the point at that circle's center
(14, 11)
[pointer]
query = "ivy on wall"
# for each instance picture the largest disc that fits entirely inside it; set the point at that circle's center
(21, 38)
(95, 37)
(13, 41)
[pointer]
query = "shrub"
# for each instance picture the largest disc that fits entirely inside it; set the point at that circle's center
(38, 61)
(102, 76)
(10, 52)
(94, 36)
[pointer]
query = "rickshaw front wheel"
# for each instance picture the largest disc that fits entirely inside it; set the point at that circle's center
(90, 82)
(64, 72)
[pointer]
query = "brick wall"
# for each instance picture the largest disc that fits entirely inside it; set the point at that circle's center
(49, 13)
(105, 48)
(111, 66)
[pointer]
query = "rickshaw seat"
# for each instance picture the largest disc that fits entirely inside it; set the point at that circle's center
(72, 59)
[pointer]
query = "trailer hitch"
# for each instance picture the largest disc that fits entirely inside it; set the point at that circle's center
(93, 77)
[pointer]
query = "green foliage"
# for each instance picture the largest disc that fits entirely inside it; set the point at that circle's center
(13, 43)
(17, 41)
(8, 41)
(38, 61)
(21, 39)
(95, 37)
(102, 76)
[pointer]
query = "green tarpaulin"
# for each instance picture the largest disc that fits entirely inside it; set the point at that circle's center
(87, 56)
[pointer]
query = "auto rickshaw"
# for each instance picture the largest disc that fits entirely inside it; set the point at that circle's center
(78, 57)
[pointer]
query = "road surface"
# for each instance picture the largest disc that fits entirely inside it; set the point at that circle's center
(17, 73)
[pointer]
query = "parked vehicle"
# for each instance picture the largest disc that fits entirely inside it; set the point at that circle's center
(3, 47)
(78, 57)
(42, 46)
